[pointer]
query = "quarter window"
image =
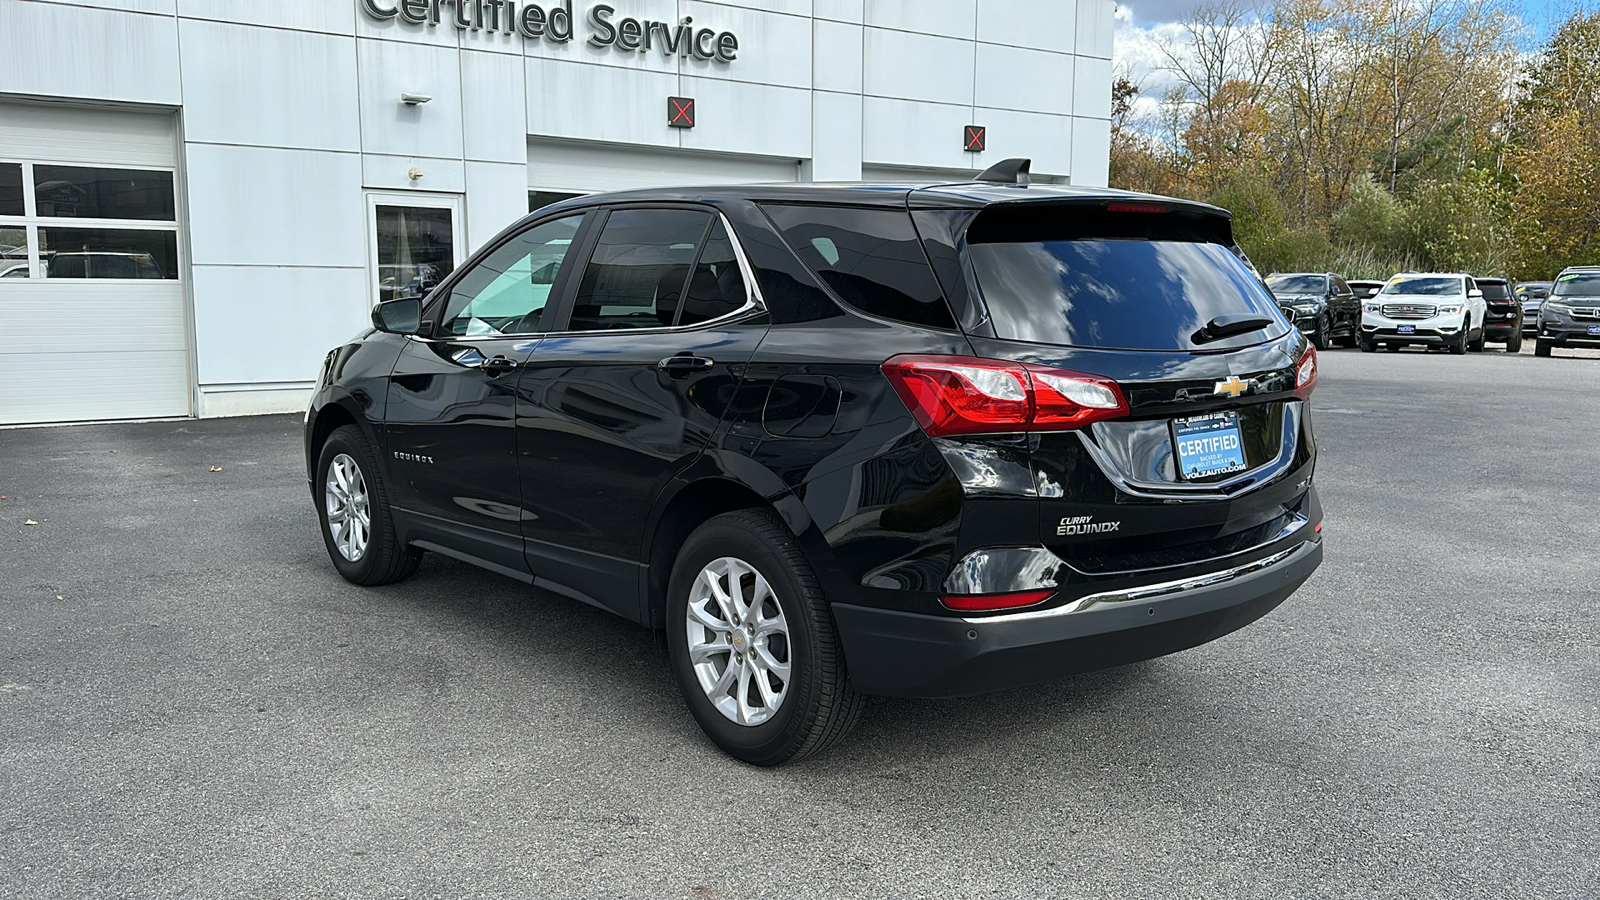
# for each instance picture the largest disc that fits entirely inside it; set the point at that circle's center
(717, 287)
(639, 270)
(871, 258)
(508, 291)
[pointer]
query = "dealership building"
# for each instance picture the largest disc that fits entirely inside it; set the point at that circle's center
(198, 198)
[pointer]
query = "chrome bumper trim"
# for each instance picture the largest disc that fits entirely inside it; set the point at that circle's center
(1149, 591)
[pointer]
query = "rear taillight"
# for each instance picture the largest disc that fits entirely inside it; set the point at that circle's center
(995, 602)
(966, 395)
(1305, 374)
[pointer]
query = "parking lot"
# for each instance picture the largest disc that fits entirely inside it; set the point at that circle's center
(193, 704)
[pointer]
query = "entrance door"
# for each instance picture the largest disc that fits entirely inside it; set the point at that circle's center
(449, 417)
(414, 243)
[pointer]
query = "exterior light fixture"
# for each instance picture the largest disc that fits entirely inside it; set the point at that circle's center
(414, 99)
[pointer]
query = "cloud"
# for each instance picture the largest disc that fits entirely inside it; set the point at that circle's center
(1137, 53)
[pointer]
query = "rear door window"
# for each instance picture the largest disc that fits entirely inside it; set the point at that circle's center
(1057, 283)
(639, 270)
(871, 259)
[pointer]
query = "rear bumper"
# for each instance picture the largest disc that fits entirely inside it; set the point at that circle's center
(913, 655)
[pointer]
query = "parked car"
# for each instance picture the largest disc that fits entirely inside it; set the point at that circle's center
(1431, 309)
(101, 264)
(1364, 290)
(1570, 316)
(1531, 294)
(1502, 313)
(841, 440)
(1320, 304)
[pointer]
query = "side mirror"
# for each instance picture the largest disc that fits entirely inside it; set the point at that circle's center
(402, 316)
(1474, 293)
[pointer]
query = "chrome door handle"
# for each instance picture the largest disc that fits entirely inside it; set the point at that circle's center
(686, 362)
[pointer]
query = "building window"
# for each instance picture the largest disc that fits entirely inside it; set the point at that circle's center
(416, 250)
(123, 222)
(541, 199)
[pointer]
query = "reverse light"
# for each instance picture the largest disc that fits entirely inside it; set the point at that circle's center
(1305, 374)
(965, 395)
(995, 602)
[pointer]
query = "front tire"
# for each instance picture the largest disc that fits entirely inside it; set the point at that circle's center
(1541, 347)
(1476, 344)
(1366, 345)
(1462, 341)
(357, 527)
(753, 643)
(1319, 338)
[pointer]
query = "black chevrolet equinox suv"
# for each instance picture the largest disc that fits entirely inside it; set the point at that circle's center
(839, 440)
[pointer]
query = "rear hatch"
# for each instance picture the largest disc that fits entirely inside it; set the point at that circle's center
(1213, 454)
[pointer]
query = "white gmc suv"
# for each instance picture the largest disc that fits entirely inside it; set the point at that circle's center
(1434, 309)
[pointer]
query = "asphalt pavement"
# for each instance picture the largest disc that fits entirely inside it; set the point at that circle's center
(194, 705)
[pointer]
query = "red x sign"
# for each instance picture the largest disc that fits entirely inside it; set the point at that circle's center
(680, 112)
(973, 138)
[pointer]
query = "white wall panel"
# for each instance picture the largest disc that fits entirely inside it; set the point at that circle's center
(953, 18)
(912, 133)
(773, 49)
(1091, 88)
(494, 107)
(908, 66)
(159, 7)
(788, 7)
(839, 10)
(389, 69)
(836, 57)
(289, 317)
(72, 51)
(1096, 27)
(835, 137)
(1091, 152)
(1045, 139)
(572, 166)
(305, 15)
(616, 104)
(268, 86)
(749, 118)
(1028, 80)
(497, 195)
(444, 174)
(1041, 24)
(257, 206)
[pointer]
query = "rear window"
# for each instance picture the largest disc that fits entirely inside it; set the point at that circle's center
(1494, 290)
(1046, 285)
(1298, 284)
(871, 258)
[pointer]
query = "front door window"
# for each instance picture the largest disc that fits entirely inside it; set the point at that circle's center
(416, 249)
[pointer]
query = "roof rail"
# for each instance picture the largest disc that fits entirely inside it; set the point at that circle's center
(1008, 171)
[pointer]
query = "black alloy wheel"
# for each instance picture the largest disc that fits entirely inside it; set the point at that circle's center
(1319, 338)
(753, 642)
(1462, 341)
(357, 527)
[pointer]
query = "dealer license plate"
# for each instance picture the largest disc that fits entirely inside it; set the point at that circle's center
(1406, 329)
(1208, 445)
(1594, 329)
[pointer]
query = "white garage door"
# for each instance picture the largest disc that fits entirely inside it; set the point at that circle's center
(91, 297)
(586, 168)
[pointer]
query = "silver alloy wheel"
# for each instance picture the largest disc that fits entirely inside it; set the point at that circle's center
(738, 641)
(349, 517)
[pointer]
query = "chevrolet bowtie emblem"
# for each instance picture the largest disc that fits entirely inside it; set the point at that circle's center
(1233, 387)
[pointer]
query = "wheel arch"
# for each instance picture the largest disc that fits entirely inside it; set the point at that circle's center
(329, 417)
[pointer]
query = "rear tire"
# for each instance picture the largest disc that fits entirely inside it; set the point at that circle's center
(1541, 347)
(761, 668)
(1514, 342)
(353, 506)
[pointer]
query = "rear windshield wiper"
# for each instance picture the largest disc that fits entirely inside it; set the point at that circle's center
(1228, 326)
